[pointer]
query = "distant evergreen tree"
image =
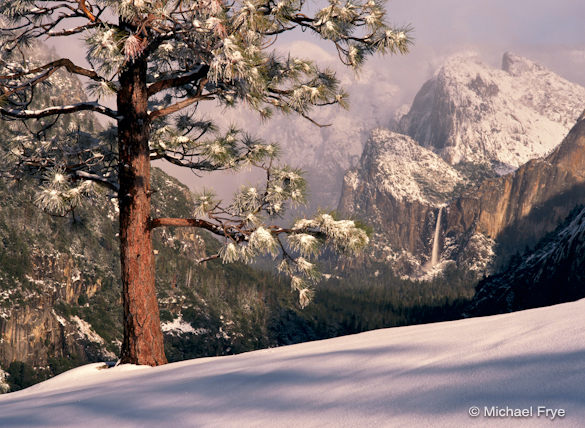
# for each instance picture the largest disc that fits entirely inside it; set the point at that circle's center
(160, 59)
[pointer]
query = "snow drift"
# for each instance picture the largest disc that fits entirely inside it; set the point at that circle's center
(426, 375)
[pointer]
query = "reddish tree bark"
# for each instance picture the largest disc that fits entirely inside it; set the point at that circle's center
(143, 338)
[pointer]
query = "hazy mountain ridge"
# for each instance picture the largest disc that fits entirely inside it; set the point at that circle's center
(325, 152)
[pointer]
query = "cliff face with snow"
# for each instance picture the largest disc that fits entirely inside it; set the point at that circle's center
(469, 112)
(397, 179)
(38, 269)
(554, 272)
(59, 289)
(404, 170)
(467, 125)
(519, 208)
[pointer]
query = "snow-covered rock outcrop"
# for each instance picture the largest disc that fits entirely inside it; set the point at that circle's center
(398, 188)
(518, 209)
(398, 166)
(470, 112)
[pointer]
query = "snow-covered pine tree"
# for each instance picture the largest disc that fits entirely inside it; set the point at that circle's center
(160, 59)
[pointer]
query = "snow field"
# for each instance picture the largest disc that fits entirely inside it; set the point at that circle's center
(426, 375)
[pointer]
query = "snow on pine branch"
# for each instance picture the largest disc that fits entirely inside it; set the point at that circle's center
(246, 223)
(59, 110)
(185, 145)
(58, 195)
(66, 161)
(215, 49)
(306, 240)
(246, 228)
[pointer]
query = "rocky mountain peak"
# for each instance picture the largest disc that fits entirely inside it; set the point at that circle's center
(570, 154)
(400, 167)
(517, 65)
(469, 112)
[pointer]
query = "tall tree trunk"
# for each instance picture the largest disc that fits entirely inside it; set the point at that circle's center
(143, 339)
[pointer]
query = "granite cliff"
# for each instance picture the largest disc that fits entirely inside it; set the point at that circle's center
(554, 272)
(487, 163)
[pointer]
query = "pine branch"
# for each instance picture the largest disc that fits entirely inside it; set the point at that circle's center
(203, 165)
(75, 30)
(231, 232)
(202, 224)
(97, 179)
(178, 81)
(208, 258)
(320, 125)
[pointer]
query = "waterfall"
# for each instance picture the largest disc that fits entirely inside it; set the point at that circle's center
(435, 254)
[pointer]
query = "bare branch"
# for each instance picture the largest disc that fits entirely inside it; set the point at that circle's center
(203, 165)
(54, 65)
(193, 222)
(97, 179)
(234, 232)
(178, 106)
(208, 258)
(75, 30)
(50, 111)
(314, 122)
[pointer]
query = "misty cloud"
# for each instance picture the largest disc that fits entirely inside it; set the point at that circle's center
(548, 32)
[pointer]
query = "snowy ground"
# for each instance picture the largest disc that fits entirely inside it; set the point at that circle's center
(428, 375)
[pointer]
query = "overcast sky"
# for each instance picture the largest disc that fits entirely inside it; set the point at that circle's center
(550, 32)
(547, 31)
